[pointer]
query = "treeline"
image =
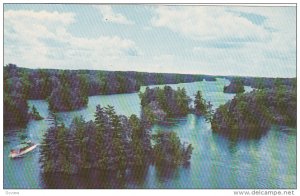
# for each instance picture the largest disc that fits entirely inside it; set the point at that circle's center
(69, 89)
(40, 82)
(250, 114)
(263, 82)
(110, 143)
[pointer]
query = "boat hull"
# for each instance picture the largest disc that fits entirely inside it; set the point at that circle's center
(16, 155)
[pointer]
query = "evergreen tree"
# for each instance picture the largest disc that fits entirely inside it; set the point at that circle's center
(137, 141)
(168, 149)
(35, 114)
(199, 104)
(101, 137)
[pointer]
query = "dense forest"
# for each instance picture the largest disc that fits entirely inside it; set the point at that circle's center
(15, 88)
(250, 114)
(110, 143)
(69, 89)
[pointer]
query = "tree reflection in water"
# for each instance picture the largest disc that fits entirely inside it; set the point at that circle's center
(165, 173)
(91, 179)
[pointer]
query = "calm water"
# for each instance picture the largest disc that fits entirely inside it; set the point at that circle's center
(268, 162)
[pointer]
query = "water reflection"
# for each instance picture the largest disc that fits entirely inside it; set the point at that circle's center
(88, 179)
(238, 135)
(165, 173)
(91, 178)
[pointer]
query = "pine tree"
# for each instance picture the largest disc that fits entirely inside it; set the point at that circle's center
(101, 127)
(199, 104)
(137, 141)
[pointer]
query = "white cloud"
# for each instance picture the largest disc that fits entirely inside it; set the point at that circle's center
(207, 23)
(236, 40)
(218, 41)
(41, 39)
(109, 15)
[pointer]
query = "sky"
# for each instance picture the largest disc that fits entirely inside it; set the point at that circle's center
(214, 40)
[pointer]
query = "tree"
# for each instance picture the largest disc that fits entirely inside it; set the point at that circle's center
(15, 105)
(54, 119)
(158, 104)
(117, 142)
(199, 104)
(35, 114)
(168, 149)
(80, 139)
(251, 114)
(137, 138)
(209, 112)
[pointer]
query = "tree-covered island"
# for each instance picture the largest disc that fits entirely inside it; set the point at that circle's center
(110, 143)
(251, 114)
(236, 86)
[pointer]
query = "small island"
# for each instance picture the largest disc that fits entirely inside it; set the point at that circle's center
(235, 86)
(159, 104)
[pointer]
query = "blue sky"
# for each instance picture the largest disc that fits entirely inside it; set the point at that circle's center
(216, 40)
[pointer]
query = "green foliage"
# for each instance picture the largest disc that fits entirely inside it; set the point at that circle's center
(35, 114)
(139, 152)
(252, 113)
(201, 107)
(15, 106)
(158, 104)
(111, 143)
(235, 86)
(70, 93)
(168, 149)
(54, 119)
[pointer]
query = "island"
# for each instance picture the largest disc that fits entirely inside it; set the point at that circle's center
(235, 86)
(110, 143)
(249, 115)
(161, 103)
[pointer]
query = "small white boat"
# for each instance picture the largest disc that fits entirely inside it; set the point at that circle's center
(22, 149)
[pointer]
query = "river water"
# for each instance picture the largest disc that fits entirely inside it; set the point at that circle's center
(266, 162)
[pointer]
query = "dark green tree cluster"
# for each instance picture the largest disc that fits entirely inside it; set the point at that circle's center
(15, 108)
(69, 92)
(68, 89)
(263, 82)
(201, 107)
(111, 143)
(40, 84)
(168, 150)
(236, 86)
(252, 113)
(158, 104)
